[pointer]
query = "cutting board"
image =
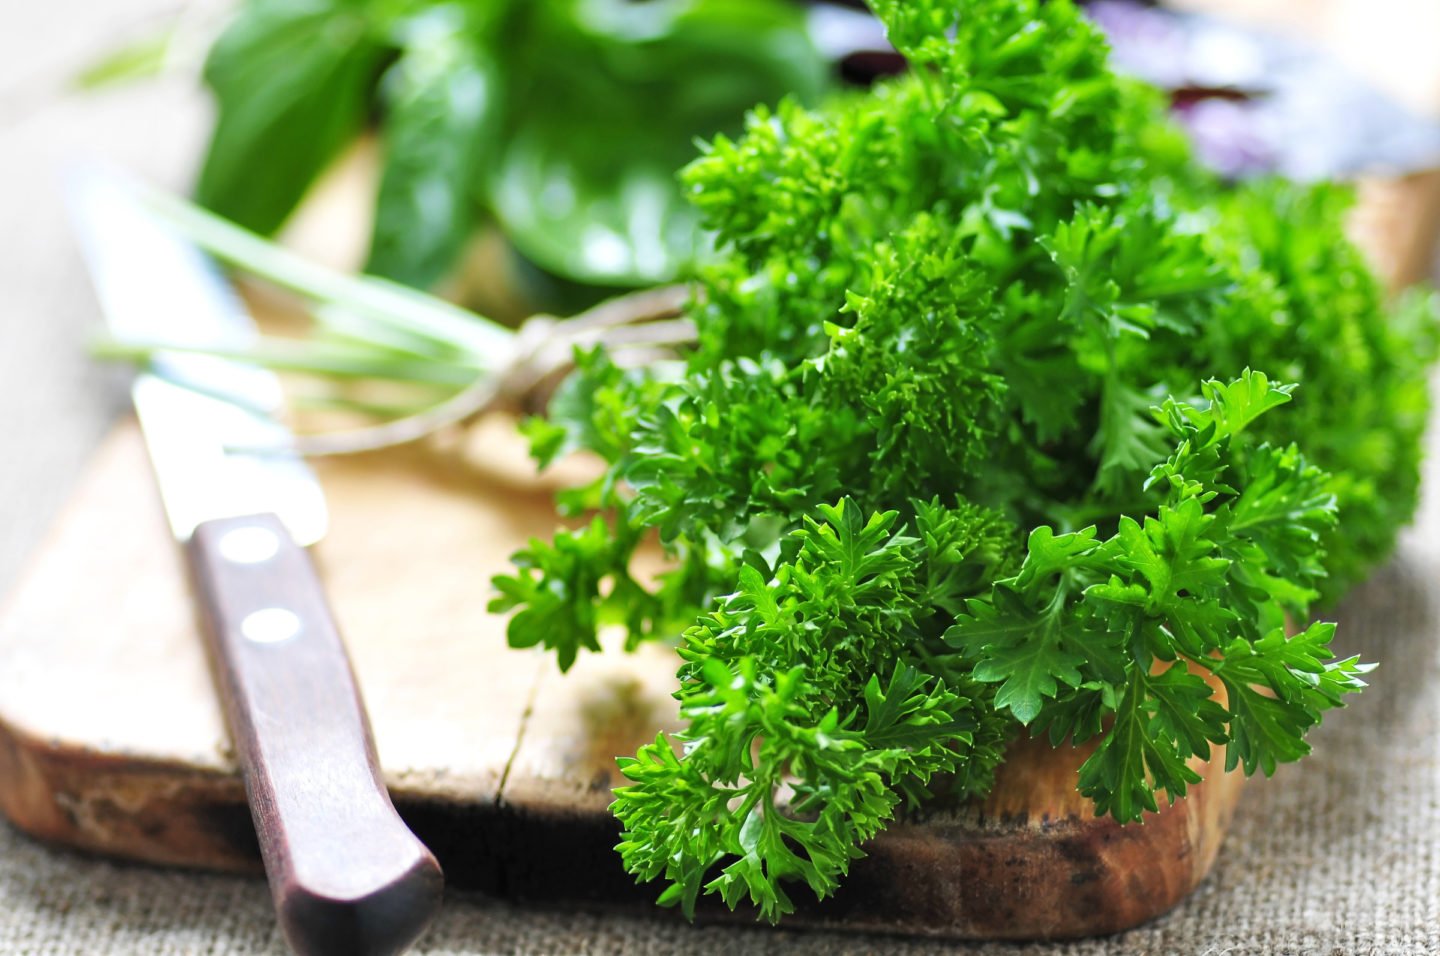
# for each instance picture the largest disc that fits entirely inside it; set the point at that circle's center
(111, 739)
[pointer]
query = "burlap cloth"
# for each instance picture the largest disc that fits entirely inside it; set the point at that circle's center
(1337, 855)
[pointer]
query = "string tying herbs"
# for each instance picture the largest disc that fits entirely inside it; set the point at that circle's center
(392, 333)
(634, 329)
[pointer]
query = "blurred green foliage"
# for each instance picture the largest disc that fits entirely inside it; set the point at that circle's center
(563, 121)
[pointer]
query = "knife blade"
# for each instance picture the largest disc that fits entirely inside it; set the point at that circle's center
(346, 874)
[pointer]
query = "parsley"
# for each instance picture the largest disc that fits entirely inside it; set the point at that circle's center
(816, 706)
(1125, 628)
(966, 445)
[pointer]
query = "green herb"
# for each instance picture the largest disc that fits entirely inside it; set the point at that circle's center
(923, 481)
(563, 120)
(971, 441)
(831, 678)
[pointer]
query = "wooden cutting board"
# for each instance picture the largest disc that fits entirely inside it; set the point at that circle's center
(111, 738)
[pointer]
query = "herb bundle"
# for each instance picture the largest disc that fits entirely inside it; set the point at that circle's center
(923, 480)
(984, 429)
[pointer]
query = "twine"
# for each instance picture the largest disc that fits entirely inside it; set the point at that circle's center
(635, 329)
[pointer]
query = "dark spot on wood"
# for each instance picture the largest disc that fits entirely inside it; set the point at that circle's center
(231, 824)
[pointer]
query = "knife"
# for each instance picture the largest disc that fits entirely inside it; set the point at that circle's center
(346, 874)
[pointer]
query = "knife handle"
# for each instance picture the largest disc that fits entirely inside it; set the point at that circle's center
(347, 875)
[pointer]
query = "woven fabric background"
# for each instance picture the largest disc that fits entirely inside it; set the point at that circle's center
(1337, 855)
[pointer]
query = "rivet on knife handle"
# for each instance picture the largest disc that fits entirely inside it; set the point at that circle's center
(347, 875)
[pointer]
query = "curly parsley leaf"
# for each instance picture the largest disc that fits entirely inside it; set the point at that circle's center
(797, 750)
(1176, 598)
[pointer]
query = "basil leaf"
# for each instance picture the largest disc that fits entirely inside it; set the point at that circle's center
(293, 80)
(586, 186)
(443, 105)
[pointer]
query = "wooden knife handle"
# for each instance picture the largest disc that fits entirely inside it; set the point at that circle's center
(347, 875)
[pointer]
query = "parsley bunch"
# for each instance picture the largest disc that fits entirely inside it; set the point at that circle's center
(923, 478)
